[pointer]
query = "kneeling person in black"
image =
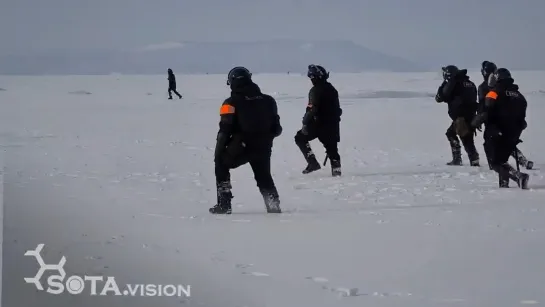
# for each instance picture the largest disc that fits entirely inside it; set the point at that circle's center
(321, 120)
(248, 125)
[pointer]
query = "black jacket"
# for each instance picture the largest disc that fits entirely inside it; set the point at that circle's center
(460, 94)
(171, 81)
(249, 118)
(323, 109)
(504, 111)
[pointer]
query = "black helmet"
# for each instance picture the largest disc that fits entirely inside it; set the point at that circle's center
(317, 72)
(498, 76)
(487, 68)
(449, 71)
(238, 75)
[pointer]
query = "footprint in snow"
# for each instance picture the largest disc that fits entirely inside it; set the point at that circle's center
(317, 279)
(246, 266)
(346, 292)
(343, 292)
(257, 274)
(218, 257)
(450, 300)
(529, 302)
(93, 257)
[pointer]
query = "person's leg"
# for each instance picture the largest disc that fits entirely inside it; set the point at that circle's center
(455, 147)
(261, 166)
(303, 142)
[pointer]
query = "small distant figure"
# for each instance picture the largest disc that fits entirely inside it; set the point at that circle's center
(172, 85)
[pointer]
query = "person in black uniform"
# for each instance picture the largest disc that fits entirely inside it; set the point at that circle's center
(249, 122)
(172, 85)
(321, 120)
(460, 94)
(505, 116)
(487, 68)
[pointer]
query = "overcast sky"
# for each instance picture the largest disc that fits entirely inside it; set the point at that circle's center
(467, 31)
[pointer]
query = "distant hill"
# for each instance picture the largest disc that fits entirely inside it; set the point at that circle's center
(276, 56)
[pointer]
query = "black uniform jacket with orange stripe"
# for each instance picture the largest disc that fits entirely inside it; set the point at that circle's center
(504, 110)
(248, 117)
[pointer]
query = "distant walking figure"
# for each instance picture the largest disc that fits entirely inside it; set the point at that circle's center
(172, 85)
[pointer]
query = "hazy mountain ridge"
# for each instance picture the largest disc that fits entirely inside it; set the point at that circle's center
(275, 56)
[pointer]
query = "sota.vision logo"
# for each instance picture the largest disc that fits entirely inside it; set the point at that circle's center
(59, 283)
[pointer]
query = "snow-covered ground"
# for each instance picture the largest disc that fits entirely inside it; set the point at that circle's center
(109, 173)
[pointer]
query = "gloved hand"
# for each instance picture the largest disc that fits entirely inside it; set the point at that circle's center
(438, 97)
(477, 121)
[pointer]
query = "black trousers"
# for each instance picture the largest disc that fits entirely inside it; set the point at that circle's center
(468, 141)
(328, 138)
(173, 89)
(498, 148)
(259, 160)
(489, 148)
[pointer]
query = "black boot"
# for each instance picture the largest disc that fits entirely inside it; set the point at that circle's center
(306, 150)
(455, 161)
(335, 168)
(456, 150)
(313, 165)
(473, 158)
(522, 161)
(471, 150)
(523, 181)
(271, 199)
(520, 178)
(503, 177)
(475, 163)
(224, 197)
